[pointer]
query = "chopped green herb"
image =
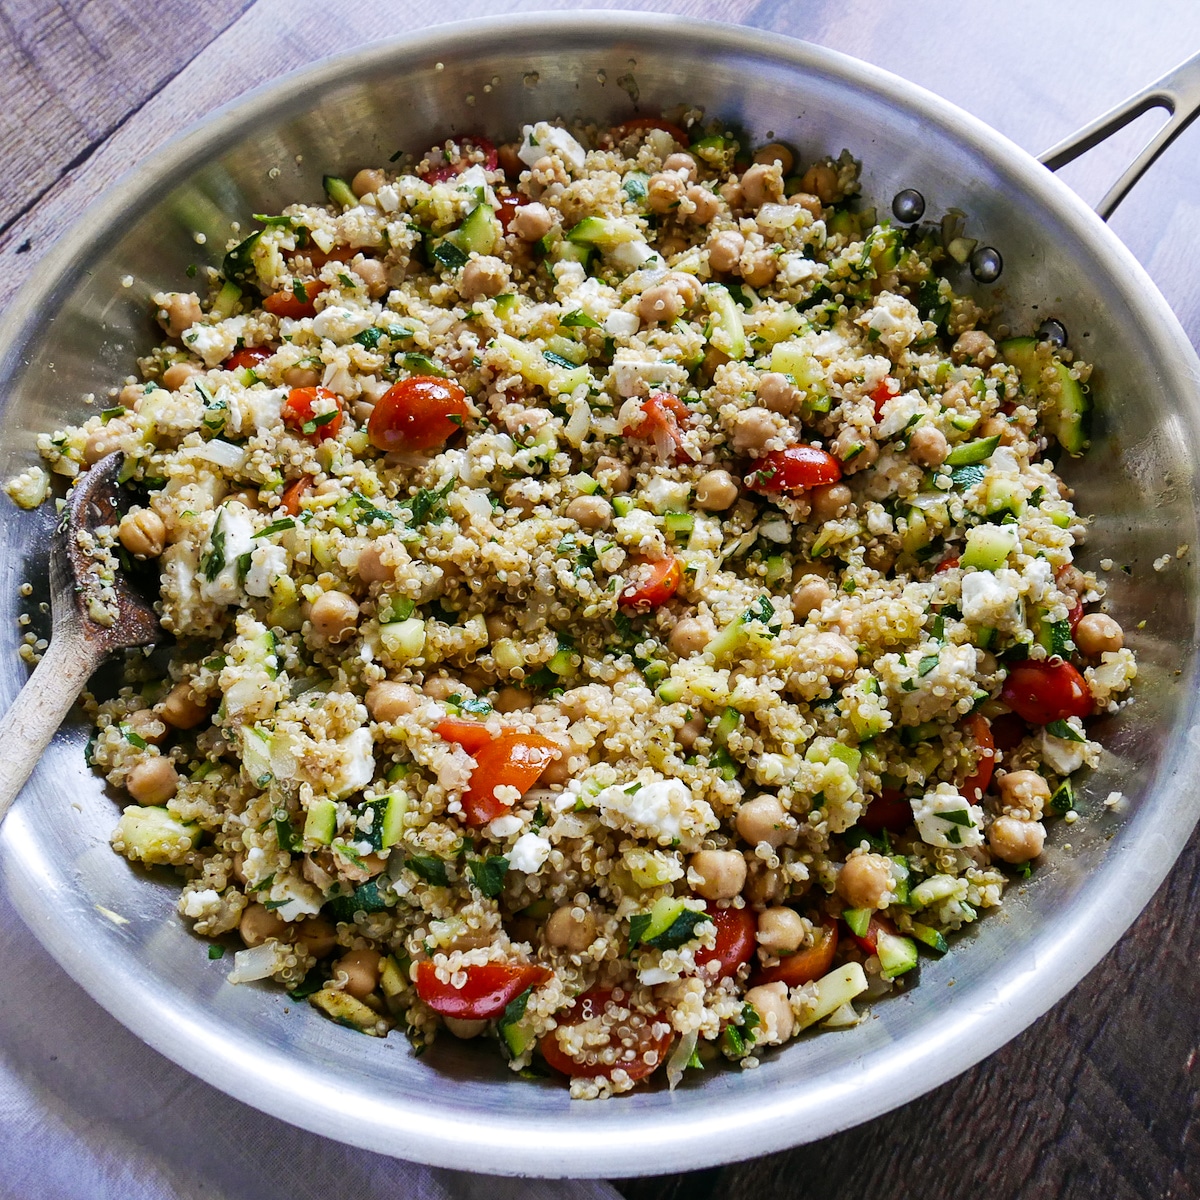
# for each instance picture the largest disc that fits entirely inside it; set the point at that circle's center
(213, 563)
(369, 338)
(488, 874)
(215, 952)
(276, 527)
(430, 868)
(579, 320)
(1060, 729)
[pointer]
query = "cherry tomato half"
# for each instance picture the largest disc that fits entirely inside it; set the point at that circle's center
(1007, 731)
(510, 760)
(1075, 615)
(947, 564)
(290, 303)
(869, 940)
(465, 145)
(470, 735)
(422, 412)
(247, 358)
(319, 257)
(736, 930)
(976, 729)
(590, 1008)
(490, 988)
(656, 582)
(300, 412)
(795, 469)
(1046, 691)
(886, 389)
(890, 810)
(293, 495)
(805, 966)
(507, 210)
(660, 419)
(636, 124)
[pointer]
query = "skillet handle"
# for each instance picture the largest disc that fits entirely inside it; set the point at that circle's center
(1178, 92)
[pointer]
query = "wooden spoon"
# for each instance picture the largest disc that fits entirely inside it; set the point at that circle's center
(78, 642)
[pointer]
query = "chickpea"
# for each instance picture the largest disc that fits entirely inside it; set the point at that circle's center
(1022, 792)
(154, 781)
(837, 654)
(764, 884)
(441, 687)
(781, 931)
(928, 446)
(367, 182)
(238, 868)
(725, 250)
(484, 276)
(568, 932)
(682, 164)
(752, 430)
(374, 276)
(778, 393)
(1072, 579)
(866, 881)
(1015, 841)
(829, 501)
(692, 729)
(531, 222)
(590, 512)
(361, 969)
(821, 180)
(1097, 633)
(808, 596)
(334, 616)
(974, 346)
(143, 533)
(559, 770)
(762, 184)
(177, 374)
(258, 924)
(148, 726)
(762, 269)
(615, 475)
(1001, 427)
(664, 191)
(462, 1028)
(180, 709)
(721, 874)
(776, 152)
(180, 312)
(660, 303)
(770, 1001)
(318, 935)
(498, 627)
(512, 699)
(763, 819)
(103, 441)
(705, 205)
(854, 449)
(672, 244)
(731, 193)
(388, 701)
(371, 567)
(716, 490)
(299, 377)
(690, 636)
(810, 203)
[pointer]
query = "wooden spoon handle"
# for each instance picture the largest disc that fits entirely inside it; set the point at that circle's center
(46, 698)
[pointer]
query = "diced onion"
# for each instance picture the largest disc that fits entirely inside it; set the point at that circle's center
(680, 1057)
(224, 454)
(259, 962)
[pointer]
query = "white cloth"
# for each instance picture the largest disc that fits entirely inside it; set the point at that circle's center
(87, 1112)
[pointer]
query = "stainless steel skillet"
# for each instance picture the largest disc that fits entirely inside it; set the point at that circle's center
(74, 329)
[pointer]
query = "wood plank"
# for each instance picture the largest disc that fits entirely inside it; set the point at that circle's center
(74, 72)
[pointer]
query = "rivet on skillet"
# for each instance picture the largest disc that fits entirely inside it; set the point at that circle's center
(908, 206)
(1052, 331)
(986, 264)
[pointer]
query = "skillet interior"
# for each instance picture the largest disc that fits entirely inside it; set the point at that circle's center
(75, 330)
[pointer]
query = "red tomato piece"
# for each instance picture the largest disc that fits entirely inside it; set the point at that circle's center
(947, 564)
(300, 412)
(636, 124)
(805, 966)
(248, 357)
(796, 469)
(294, 494)
(736, 929)
(507, 209)
(290, 304)
(979, 731)
(890, 810)
(654, 587)
(660, 423)
(885, 390)
(510, 760)
(1046, 691)
(869, 940)
(590, 1007)
(490, 988)
(1007, 731)
(470, 735)
(319, 257)
(422, 412)
(465, 145)
(1075, 615)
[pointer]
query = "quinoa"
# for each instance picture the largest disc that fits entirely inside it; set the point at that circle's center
(602, 595)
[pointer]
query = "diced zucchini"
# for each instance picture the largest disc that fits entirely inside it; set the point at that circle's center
(933, 890)
(663, 915)
(339, 191)
(604, 232)
(392, 809)
(901, 877)
(671, 691)
(320, 822)
(256, 755)
(623, 505)
(965, 421)
(561, 663)
(896, 954)
(928, 936)
(535, 367)
(403, 640)
(858, 919)
(225, 305)
(678, 522)
(1002, 493)
(730, 720)
(393, 979)
(479, 232)
(916, 533)
(155, 836)
(729, 335)
(972, 452)
(988, 547)
(507, 304)
(833, 990)
(850, 755)
(1064, 413)
(346, 1010)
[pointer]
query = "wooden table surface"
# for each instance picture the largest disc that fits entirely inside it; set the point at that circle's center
(1099, 1097)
